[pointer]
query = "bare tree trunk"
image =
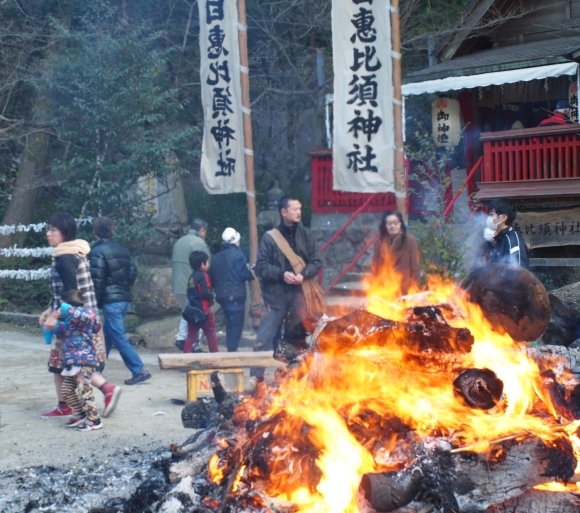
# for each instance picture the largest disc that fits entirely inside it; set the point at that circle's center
(32, 163)
(29, 179)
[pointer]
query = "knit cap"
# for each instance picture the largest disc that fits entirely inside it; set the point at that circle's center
(230, 236)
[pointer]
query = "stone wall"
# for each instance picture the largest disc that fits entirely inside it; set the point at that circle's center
(341, 252)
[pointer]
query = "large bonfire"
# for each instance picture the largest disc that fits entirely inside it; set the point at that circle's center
(373, 414)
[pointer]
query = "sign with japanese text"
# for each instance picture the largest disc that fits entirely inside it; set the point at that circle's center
(363, 140)
(446, 121)
(223, 169)
(547, 229)
(573, 101)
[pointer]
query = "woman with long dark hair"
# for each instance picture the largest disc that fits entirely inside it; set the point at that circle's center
(71, 271)
(396, 250)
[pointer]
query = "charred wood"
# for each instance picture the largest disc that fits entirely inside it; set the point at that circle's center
(480, 388)
(192, 465)
(468, 482)
(364, 329)
(540, 501)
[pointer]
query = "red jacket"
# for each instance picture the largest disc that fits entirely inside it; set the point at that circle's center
(559, 118)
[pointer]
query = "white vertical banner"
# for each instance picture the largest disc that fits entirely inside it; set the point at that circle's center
(223, 169)
(364, 143)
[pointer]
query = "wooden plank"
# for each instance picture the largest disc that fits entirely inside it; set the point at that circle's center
(217, 360)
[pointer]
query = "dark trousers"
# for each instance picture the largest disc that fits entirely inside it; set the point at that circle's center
(234, 327)
(289, 315)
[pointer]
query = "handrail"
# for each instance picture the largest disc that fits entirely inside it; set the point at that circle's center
(341, 230)
(353, 263)
(460, 190)
(352, 217)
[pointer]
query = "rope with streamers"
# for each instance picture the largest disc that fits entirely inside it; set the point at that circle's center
(38, 227)
(26, 252)
(25, 274)
(29, 274)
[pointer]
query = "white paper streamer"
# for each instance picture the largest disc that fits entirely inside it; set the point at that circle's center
(26, 252)
(39, 227)
(25, 274)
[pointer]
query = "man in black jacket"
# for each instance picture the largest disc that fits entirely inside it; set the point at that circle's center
(113, 272)
(281, 288)
(229, 273)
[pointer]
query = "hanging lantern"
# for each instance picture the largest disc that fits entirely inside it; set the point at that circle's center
(573, 101)
(446, 121)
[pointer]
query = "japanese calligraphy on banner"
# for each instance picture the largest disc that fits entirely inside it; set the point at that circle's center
(223, 168)
(363, 139)
(446, 121)
(546, 229)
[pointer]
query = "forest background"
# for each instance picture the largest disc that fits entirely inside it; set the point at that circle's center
(97, 94)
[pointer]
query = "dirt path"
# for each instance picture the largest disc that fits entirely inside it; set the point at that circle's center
(145, 416)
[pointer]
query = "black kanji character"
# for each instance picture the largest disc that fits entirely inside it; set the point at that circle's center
(560, 228)
(221, 102)
(356, 160)
(545, 229)
(214, 10)
(216, 39)
(217, 71)
(368, 126)
(442, 115)
(223, 133)
(365, 92)
(530, 229)
(363, 22)
(227, 166)
(365, 58)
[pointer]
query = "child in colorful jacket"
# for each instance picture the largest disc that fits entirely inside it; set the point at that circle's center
(78, 326)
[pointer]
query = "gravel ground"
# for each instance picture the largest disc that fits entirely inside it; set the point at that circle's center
(47, 467)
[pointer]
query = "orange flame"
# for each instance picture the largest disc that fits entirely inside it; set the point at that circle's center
(332, 394)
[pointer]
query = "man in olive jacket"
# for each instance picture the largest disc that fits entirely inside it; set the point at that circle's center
(113, 272)
(181, 270)
(281, 288)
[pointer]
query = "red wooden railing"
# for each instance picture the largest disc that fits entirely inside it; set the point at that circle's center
(531, 154)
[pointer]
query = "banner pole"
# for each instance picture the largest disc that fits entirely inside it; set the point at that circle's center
(399, 169)
(256, 298)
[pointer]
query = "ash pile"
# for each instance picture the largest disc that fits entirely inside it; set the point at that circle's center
(129, 481)
(423, 406)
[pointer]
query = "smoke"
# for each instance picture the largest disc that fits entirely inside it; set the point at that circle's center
(474, 243)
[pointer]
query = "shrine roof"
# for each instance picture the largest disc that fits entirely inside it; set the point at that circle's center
(511, 57)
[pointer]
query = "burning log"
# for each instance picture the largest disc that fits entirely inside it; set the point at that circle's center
(363, 329)
(511, 298)
(542, 501)
(467, 481)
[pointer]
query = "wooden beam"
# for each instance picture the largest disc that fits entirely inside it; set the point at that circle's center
(217, 360)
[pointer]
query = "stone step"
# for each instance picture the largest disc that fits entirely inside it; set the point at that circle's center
(337, 306)
(349, 288)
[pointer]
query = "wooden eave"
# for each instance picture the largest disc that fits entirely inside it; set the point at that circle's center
(471, 17)
(556, 188)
